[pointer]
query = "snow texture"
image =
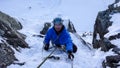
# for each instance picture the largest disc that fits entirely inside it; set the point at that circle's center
(33, 13)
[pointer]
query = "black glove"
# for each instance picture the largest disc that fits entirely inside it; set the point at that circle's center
(46, 47)
(70, 55)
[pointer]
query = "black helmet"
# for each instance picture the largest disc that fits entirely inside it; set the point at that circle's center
(58, 21)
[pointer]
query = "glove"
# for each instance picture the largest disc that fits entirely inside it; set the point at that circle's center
(46, 47)
(70, 55)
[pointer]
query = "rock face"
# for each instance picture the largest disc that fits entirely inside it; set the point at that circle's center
(112, 60)
(6, 55)
(8, 30)
(10, 21)
(113, 37)
(12, 38)
(47, 25)
(101, 27)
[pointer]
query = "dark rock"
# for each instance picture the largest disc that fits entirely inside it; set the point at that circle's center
(104, 64)
(102, 23)
(14, 23)
(45, 28)
(96, 43)
(113, 37)
(101, 28)
(106, 45)
(6, 55)
(118, 36)
(71, 27)
(112, 61)
(9, 27)
(116, 50)
(12, 38)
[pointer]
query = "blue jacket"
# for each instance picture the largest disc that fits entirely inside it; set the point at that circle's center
(62, 39)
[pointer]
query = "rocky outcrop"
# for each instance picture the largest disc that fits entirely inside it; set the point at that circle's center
(113, 37)
(10, 21)
(47, 25)
(100, 29)
(101, 26)
(8, 30)
(6, 55)
(11, 38)
(71, 27)
(112, 60)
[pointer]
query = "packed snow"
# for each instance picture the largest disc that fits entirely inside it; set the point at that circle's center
(118, 4)
(114, 29)
(33, 13)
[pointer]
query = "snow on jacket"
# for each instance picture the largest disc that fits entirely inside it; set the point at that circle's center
(62, 39)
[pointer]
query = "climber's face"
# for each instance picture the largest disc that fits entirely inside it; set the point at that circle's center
(58, 27)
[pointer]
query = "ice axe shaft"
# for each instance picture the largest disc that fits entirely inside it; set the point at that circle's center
(46, 58)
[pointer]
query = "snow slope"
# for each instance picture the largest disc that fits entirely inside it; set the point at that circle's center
(33, 14)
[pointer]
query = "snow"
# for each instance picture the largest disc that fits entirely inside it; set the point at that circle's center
(116, 42)
(33, 13)
(0, 40)
(78, 12)
(114, 29)
(118, 4)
